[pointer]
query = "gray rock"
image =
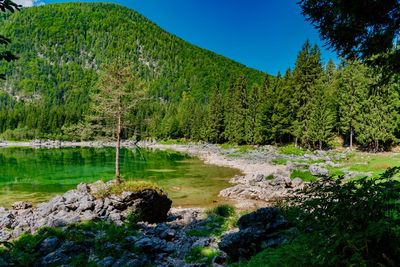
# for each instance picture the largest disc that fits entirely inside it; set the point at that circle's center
(21, 205)
(79, 205)
(130, 259)
(318, 170)
(296, 182)
(106, 262)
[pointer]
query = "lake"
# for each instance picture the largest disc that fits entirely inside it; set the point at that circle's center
(36, 175)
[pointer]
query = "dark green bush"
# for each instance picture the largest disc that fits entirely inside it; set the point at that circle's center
(342, 224)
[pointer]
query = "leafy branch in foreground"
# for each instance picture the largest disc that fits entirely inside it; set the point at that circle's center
(356, 223)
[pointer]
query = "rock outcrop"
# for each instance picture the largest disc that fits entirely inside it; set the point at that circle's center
(258, 230)
(80, 205)
(259, 187)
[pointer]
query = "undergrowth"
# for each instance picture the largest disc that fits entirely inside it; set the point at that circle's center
(341, 224)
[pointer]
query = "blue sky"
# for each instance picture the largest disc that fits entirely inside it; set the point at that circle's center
(262, 34)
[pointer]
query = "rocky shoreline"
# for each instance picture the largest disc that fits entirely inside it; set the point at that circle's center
(162, 237)
(262, 182)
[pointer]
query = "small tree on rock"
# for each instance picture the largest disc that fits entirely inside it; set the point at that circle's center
(118, 93)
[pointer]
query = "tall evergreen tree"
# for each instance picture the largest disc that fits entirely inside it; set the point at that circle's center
(214, 125)
(307, 71)
(235, 113)
(378, 119)
(353, 84)
(284, 110)
(321, 115)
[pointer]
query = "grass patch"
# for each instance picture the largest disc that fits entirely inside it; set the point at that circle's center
(238, 150)
(291, 150)
(201, 255)
(219, 220)
(269, 177)
(224, 210)
(303, 174)
(181, 141)
(125, 186)
(280, 161)
(366, 162)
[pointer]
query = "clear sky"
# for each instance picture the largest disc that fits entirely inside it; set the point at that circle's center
(263, 34)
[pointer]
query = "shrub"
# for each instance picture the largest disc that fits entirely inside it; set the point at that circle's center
(342, 224)
(222, 210)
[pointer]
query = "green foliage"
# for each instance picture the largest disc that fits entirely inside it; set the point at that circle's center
(93, 234)
(66, 46)
(202, 255)
(193, 93)
(219, 220)
(342, 224)
(279, 161)
(291, 150)
(224, 210)
(305, 175)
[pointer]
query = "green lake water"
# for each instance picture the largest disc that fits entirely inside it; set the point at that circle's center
(36, 175)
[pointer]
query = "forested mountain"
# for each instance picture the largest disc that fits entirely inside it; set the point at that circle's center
(61, 48)
(193, 93)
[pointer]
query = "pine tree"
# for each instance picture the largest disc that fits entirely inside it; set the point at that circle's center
(307, 71)
(353, 84)
(378, 119)
(214, 125)
(321, 116)
(119, 91)
(284, 111)
(235, 114)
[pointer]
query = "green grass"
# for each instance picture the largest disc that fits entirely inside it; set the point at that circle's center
(269, 177)
(202, 255)
(219, 220)
(238, 149)
(303, 174)
(181, 141)
(367, 162)
(125, 186)
(280, 161)
(291, 150)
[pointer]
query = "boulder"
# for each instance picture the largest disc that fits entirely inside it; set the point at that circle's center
(79, 205)
(317, 170)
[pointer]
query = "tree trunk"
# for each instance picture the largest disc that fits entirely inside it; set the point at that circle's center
(295, 142)
(376, 146)
(320, 144)
(117, 149)
(351, 138)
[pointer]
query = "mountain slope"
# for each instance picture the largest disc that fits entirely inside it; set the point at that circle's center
(80, 37)
(62, 47)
